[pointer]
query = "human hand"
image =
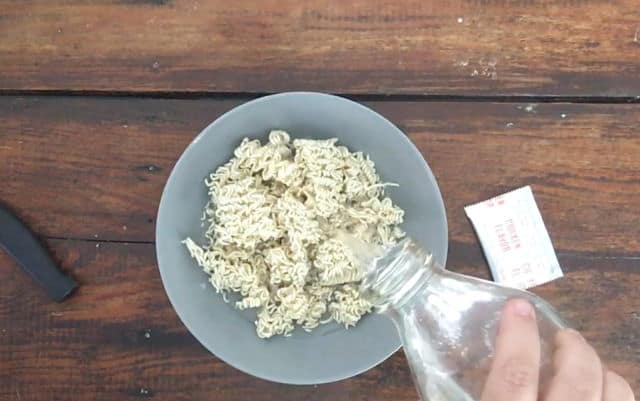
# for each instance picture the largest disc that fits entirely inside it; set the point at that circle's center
(578, 373)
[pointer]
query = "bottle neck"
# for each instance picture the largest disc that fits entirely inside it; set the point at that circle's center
(399, 273)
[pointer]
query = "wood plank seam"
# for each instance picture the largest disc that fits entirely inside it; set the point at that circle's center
(359, 97)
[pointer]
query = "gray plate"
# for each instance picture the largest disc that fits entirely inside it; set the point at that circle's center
(330, 352)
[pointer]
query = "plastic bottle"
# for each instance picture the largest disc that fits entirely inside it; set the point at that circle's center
(447, 321)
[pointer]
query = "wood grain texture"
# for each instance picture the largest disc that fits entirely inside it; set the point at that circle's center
(95, 168)
(117, 338)
(463, 47)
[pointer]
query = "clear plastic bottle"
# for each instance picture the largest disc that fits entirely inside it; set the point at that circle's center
(447, 321)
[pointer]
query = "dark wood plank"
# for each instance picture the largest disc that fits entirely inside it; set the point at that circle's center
(490, 47)
(94, 168)
(117, 338)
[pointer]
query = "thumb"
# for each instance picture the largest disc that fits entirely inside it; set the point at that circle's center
(516, 365)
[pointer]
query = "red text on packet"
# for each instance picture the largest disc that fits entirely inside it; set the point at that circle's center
(507, 235)
(514, 238)
(501, 234)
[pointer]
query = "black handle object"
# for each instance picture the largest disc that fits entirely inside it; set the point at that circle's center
(20, 243)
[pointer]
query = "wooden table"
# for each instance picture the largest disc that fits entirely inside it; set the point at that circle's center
(98, 100)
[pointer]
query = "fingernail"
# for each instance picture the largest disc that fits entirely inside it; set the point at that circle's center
(574, 333)
(522, 308)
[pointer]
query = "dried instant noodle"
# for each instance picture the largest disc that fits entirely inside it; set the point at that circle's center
(272, 217)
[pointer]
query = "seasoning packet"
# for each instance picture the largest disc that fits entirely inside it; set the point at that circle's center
(515, 240)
